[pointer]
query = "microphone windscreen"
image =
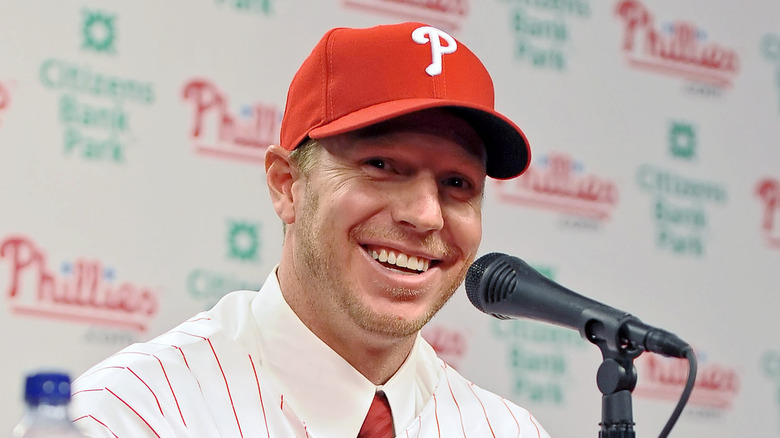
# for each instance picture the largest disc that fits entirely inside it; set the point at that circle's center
(474, 278)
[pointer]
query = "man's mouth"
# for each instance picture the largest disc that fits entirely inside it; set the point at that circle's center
(396, 259)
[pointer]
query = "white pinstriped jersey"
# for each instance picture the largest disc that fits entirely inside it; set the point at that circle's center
(203, 379)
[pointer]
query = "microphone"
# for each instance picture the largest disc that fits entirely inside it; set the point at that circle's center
(507, 287)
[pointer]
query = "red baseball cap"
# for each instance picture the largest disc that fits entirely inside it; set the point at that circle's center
(358, 77)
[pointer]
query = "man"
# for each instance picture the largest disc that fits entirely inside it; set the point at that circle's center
(387, 137)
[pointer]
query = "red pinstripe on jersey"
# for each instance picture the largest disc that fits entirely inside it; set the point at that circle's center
(202, 318)
(260, 394)
(419, 427)
(436, 415)
(471, 387)
(135, 412)
(134, 374)
(503, 400)
(99, 422)
(460, 414)
(165, 374)
(183, 357)
(227, 387)
(533, 421)
(88, 390)
(150, 390)
(175, 399)
(221, 370)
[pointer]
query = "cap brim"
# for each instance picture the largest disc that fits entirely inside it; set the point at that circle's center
(508, 152)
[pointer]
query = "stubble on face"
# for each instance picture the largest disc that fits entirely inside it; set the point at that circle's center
(313, 248)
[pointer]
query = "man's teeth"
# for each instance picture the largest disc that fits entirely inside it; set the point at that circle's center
(401, 260)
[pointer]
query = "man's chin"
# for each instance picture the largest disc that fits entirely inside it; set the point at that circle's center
(395, 319)
(395, 328)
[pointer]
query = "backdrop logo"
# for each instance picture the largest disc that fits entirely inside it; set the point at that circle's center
(111, 336)
(768, 192)
(449, 344)
(558, 183)
(663, 378)
(95, 122)
(679, 201)
(5, 100)
(98, 31)
(243, 241)
(92, 105)
(770, 365)
(539, 357)
(678, 48)
(218, 132)
(542, 31)
(770, 48)
(263, 7)
(85, 291)
(679, 208)
(682, 140)
(449, 14)
(208, 285)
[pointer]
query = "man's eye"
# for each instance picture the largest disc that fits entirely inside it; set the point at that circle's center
(377, 162)
(456, 182)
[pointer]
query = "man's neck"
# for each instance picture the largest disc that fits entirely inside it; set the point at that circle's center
(374, 355)
(377, 361)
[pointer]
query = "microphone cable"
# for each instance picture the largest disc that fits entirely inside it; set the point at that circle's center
(686, 393)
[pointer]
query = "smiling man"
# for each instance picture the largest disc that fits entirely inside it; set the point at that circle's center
(387, 138)
(380, 232)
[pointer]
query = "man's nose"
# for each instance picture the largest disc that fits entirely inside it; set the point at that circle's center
(418, 204)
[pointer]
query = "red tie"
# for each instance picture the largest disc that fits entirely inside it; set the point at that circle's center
(379, 421)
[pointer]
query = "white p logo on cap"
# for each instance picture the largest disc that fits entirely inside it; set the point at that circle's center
(428, 34)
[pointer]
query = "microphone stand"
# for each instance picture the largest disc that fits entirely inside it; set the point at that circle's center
(616, 377)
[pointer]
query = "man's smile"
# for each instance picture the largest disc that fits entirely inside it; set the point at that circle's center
(398, 260)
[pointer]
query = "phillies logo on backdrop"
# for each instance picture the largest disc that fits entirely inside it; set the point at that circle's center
(768, 191)
(216, 131)
(449, 14)
(84, 291)
(677, 48)
(557, 183)
(663, 378)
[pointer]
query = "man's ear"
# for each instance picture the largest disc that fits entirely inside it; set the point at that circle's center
(280, 174)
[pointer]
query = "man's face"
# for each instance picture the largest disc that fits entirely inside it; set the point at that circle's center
(387, 223)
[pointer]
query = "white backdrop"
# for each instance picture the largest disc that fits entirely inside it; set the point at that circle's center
(132, 194)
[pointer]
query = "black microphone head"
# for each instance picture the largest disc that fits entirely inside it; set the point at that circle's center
(474, 277)
(501, 279)
(507, 287)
